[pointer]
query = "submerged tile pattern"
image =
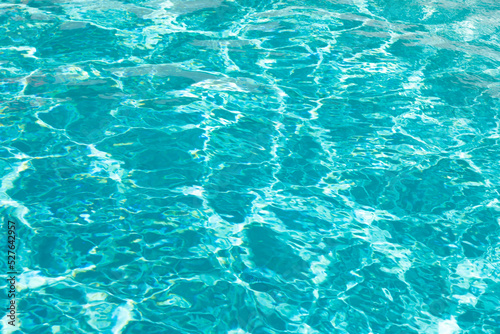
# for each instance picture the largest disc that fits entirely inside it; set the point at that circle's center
(253, 166)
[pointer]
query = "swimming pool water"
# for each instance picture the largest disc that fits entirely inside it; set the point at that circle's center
(251, 166)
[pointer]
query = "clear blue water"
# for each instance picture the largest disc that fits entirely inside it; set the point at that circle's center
(251, 166)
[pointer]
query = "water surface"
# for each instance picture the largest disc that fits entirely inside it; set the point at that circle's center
(252, 166)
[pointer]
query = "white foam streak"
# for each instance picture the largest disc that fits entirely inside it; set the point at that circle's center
(20, 210)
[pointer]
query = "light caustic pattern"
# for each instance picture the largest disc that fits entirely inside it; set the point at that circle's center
(253, 166)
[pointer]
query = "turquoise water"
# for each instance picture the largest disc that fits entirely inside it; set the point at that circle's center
(251, 166)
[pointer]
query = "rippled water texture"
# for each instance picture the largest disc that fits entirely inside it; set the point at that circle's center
(252, 166)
